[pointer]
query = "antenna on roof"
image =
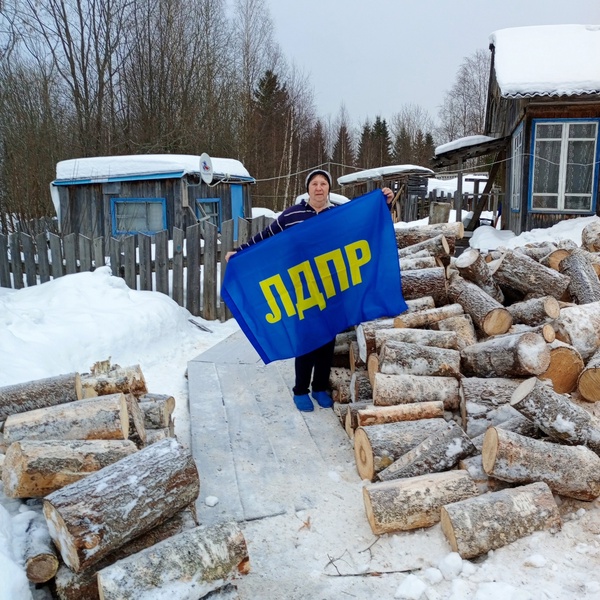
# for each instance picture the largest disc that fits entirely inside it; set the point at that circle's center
(206, 168)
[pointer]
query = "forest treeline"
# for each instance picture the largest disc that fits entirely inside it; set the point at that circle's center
(83, 78)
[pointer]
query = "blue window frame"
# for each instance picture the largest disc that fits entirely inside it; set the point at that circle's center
(138, 215)
(209, 209)
(564, 165)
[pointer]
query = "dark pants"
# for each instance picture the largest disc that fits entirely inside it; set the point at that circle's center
(316, 364)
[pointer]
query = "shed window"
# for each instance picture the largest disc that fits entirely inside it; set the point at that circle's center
(138, 215)
(516, 176)
(564, 175)
(209, 209)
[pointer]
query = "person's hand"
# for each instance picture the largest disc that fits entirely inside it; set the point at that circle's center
(389, 194)
(229, 255)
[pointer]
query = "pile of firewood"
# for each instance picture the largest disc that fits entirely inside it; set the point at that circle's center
(476, 406)
(109, 492)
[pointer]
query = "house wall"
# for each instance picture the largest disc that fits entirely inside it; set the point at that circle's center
(86, 208)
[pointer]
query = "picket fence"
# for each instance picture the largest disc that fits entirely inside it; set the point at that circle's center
(189, 268)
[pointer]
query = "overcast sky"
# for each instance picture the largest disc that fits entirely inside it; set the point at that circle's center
(376, 55)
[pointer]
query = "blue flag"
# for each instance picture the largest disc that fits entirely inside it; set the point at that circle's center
(295, 291)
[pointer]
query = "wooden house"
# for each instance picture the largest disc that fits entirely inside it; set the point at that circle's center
(123, 195)
(542, 122)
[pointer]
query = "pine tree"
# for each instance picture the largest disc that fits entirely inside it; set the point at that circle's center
(382, 143)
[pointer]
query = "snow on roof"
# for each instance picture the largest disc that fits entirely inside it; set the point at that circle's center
(105, 168)
(547, 60)
(381, 172)
(333, 198)
(465, 142)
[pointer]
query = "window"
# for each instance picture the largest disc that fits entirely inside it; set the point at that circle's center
(516, 176)
(209, 209)
(138, 215)
(564, 175)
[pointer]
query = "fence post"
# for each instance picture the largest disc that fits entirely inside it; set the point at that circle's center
(4, 263)
(193, 269)
(209, 287)
(15, 260)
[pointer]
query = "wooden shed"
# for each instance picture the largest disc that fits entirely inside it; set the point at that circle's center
(542, 122)
(123, 195)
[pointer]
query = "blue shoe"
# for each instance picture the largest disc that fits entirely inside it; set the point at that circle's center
(323, 399)
(303, 403)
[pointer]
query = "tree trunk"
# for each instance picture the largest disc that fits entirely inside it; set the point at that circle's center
(472, 267)
(389, 390)
(523, 274)
(158, 435)
(360, 387)
(535, 311)
(103, 418)
(565, 367)
(546, 330)
(426, 318)
(365, 336)
(351, 419)
(157, 410)
(488, 314)
(425, 282)
(538, 251)
(99, 513)
(127, 380)
(379, 415)
(436, 246)
(584, 286)
(553, 259)
(519, 424)
(588, 384)
(439, 452)
(421, 303)
(84, 585)
(556, 415)
(406, 504)
(400, 358)
(462, 325)
(198, 560)
(572, 471)
(378, 446)
(579, 326)
(407, 236)
(509, 356)
(40, 393)
(423, 337)
(411, 263)
(477, 525)
(34, 469)
(474, 467)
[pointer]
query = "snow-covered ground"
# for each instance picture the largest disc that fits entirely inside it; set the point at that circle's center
(326, 553)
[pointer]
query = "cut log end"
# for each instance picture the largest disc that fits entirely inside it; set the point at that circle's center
(490, 449)
(60, 535)
(448, 529)
(497, 321)
(364, 455)
(523, 390)
(41, 568)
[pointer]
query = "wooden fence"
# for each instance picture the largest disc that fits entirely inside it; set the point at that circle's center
(189, 268)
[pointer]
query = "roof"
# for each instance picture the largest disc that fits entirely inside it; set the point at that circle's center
(471, 146)
(380, 173)
(547, 60)
(103, 169)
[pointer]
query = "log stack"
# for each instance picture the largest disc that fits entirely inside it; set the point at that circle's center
(517, 406)
(115, 489)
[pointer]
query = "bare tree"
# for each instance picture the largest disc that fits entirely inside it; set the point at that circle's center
(463, 110)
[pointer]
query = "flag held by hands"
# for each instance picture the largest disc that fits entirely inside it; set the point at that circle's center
(295, 291)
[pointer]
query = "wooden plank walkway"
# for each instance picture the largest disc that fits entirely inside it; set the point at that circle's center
(249, 441)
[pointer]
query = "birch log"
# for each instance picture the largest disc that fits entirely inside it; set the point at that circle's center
(410, 263)
(406, 504)
(389, 390)
(519, 424)
(99, 513)
(565, 367)
(537, 251)
(425, 282)
(421, 303)
(523, 274)
(34, 469)
(406, 236)
(104, 418)
(477, 525)
(400, 358)
(462, 325)
(365, 336)
(102, 382)
(438, 452)
(377, 446)
(427, 317)
(553, 259)
(579, 326)
(556, 415)
(35, 546)
(39, 393)
(193, 562)
(378, 415)
(423, 337)
(84, 585)
(436, 246)
(509, 356)
(488, 314)
(546, 330)
(572, 471)
(584, 286)
(534, 311)
(588, 384)
(472, 266)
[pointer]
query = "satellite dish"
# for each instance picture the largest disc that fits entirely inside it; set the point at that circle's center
(206, 168)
